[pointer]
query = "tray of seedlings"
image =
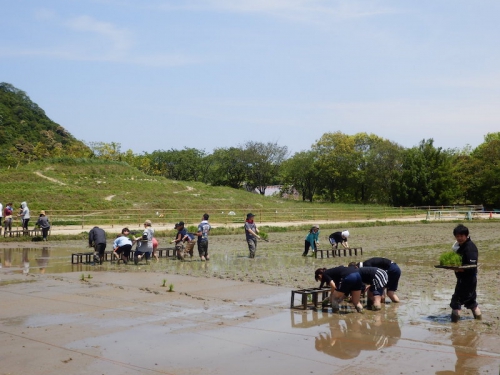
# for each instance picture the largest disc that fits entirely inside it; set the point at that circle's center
(452, 261)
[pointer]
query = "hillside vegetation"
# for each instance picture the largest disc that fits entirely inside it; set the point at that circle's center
(77, 191)
(26, 133)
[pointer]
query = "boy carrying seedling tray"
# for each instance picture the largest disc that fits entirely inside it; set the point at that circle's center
(463, 261)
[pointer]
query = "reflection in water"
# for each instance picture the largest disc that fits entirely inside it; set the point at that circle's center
(350, 334)
(465, 344)
(26, 261)
(43, 260)
(310, 318)
(7, 257)
(18, 260)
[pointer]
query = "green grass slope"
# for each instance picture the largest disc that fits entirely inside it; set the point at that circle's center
(74, 189)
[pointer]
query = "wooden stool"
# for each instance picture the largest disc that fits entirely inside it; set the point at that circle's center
(305, 293)
(338, 252)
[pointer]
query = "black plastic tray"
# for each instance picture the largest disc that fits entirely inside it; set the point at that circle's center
(454, 267)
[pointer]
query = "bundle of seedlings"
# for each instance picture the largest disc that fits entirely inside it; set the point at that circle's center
(450, 259)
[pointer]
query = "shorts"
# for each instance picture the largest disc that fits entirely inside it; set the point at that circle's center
(125, 250)
(351, 282)
(394, 273)
(379, 282)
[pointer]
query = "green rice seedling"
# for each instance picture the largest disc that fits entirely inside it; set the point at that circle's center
(164, 282)
(264, 235)
(89, 276)
(171, 288)
(450, 258)
(83, 277)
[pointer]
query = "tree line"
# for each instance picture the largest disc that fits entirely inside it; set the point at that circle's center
(360, 168)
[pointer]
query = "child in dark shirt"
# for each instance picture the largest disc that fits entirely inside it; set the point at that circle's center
(465, 289)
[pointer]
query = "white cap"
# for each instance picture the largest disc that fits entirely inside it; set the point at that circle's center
(345, 233)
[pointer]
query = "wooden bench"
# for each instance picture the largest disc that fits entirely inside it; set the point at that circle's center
(305, 293)
(88, 257)
(338, 252)
(165, 251)
(78, 257)
(21, 232)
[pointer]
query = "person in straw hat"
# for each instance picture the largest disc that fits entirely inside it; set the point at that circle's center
(44, 224)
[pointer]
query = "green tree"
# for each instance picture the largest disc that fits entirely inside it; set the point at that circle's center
(228, 167)
(378, 158)
(263, 161)
(26, 133)
(301, 173)
(484, 168)
(187, 164)
(338, 163)
(106, 151)
(463, 167)
(425, 178)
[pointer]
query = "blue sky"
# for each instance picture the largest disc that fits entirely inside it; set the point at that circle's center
(156, 75)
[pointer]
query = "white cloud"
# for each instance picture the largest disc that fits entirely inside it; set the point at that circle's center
(89, 39)
(120, 38)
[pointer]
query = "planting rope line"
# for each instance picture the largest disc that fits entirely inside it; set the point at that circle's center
(491, 355)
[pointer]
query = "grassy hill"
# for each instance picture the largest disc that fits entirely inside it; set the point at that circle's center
(27, 134)
(76, 191)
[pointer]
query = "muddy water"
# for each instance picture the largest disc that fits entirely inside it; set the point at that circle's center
(415, 336)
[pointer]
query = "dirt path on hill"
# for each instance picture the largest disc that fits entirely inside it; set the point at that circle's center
(49, 178)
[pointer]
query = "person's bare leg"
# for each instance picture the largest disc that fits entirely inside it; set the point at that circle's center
(392, 295)
(355, 298)
(336, 299)
(369, 299)
(477, 313)
(384, 296)
(377, 302)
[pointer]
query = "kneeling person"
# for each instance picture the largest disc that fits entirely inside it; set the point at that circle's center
(336, 278)
(337, 238)
(393, 273)
(377, 279)
(122, 246)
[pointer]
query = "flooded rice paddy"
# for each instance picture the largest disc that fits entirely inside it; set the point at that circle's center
(415, 336)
